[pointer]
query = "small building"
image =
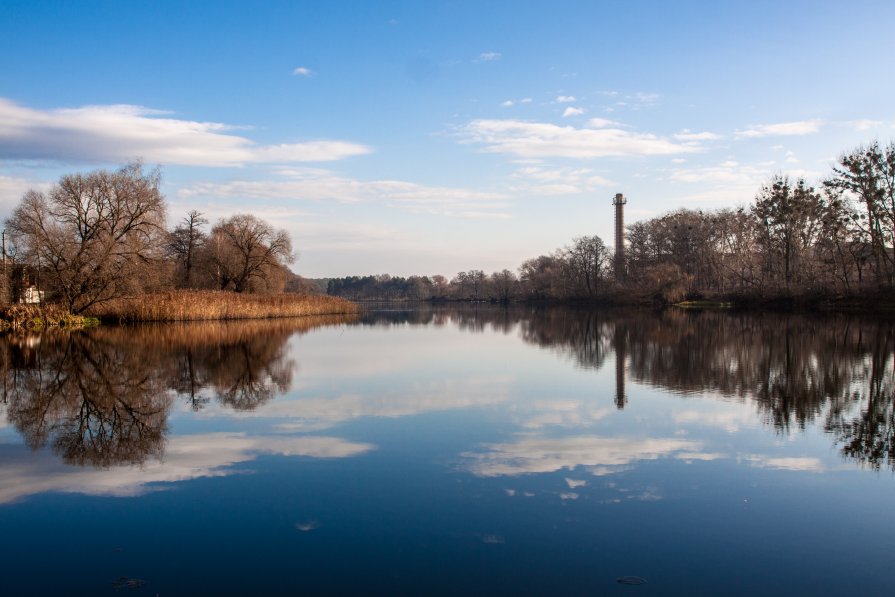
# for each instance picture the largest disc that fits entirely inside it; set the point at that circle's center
(32, 296)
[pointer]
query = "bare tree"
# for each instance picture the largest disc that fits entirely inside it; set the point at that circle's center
(246, 254)
(184, 243)
(504, 284)
(542, 277)
(588, 262)
(867, 174)
(789, 221)
(95, 236)
(476, 278)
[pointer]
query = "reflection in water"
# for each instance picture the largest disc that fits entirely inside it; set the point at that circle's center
(186, 457)
(798, 370)
(102, 397)
(598, 455)
(94, 400)
(621, 353)
(445, 447)
(836, 370)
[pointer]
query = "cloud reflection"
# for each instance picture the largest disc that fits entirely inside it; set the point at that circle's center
(785, 463)
(316, 413)
(188, 457)
(600, 455)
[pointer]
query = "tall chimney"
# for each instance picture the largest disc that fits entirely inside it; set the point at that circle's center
(619, 203)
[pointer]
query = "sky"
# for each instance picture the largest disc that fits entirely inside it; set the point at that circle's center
(433, 137)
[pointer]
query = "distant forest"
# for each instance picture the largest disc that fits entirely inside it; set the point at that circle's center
(794, 241)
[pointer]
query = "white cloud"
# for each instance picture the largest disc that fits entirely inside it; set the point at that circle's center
(303, 71)
(865, 125)
(525, 100)
(117, 133)
(543, 140)
(565, 99)
(321, 185)
(186, 457)
(645, 98)
(546, 455)
(728, 172)
(488, 57)
(346, 236)
(687, 135)
(507, 104)
(783, 129)
(12, 188)
(558, 181)
(602, 123)
(572, 111)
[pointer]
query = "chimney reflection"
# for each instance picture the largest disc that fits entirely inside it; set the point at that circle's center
(620, 345)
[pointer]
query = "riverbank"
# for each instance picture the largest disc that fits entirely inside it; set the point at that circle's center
(176, 306)
(36, 317)
(207, 305)
(870, 301)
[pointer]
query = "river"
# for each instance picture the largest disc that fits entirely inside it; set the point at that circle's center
(453, 451)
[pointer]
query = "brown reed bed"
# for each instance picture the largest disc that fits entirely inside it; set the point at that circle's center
(20, 317)
(208, 305)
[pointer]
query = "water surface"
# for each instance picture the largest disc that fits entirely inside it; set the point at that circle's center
(427, 451)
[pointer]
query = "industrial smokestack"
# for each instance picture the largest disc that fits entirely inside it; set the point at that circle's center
(619, 203)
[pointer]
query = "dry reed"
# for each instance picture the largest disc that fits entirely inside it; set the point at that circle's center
(20, 316)
(191, 305)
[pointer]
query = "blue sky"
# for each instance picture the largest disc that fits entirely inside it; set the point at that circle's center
(433, 137)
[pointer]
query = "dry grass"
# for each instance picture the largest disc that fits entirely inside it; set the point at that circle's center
(190, 305)
(37, 317)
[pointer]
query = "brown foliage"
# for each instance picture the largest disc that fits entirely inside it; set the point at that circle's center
(93, 236)
(185, 305)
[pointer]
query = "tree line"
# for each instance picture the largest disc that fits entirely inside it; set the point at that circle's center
(793, 241)
(101, 235)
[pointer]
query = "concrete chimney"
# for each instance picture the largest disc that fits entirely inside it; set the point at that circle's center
(619, 203)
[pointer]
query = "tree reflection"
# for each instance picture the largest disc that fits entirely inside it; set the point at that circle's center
(102, 397)
(833, 369)
(94, 401)
(870, 436)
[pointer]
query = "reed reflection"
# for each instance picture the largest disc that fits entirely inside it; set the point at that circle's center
(102, 397)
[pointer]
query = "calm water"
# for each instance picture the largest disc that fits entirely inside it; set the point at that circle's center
(452, 451)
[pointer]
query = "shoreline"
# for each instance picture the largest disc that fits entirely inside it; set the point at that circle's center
(176, 306)
(881, 302)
